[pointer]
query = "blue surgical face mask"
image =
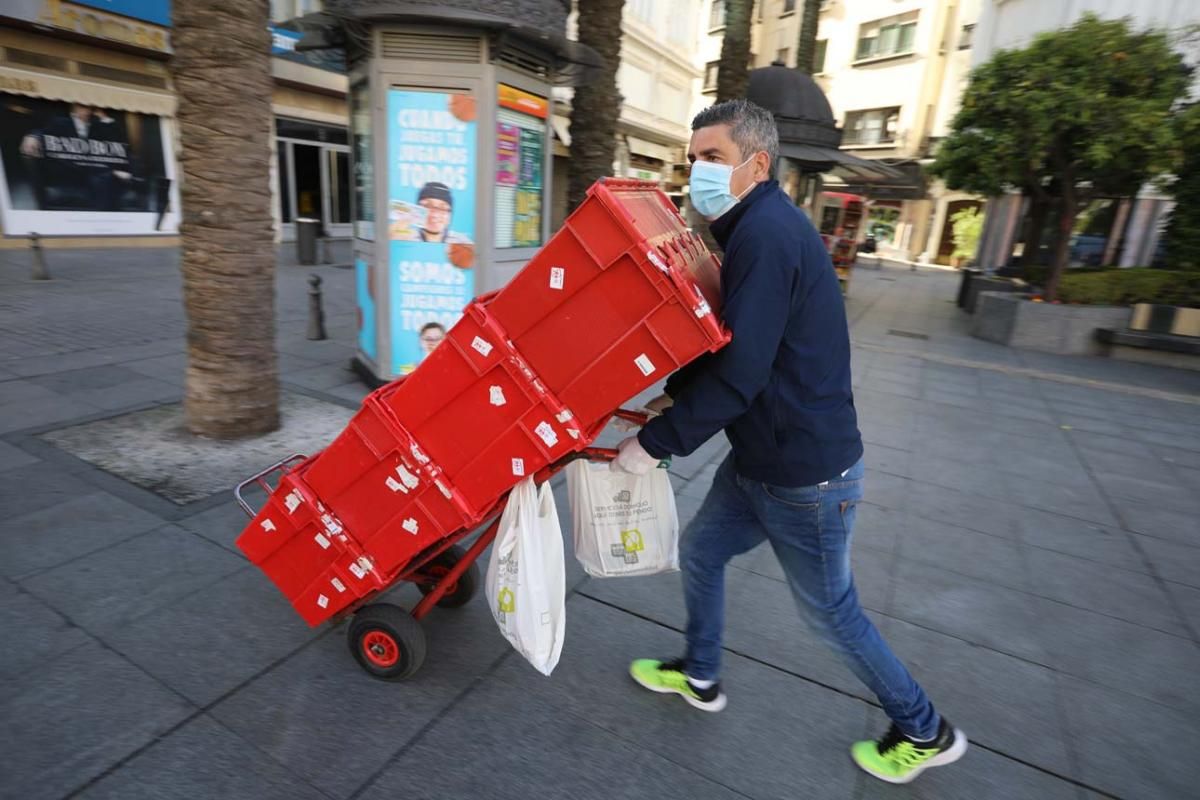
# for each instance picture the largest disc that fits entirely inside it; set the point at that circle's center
(710, 191)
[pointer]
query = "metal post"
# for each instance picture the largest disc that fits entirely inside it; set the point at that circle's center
(316, 316)
(38, 272)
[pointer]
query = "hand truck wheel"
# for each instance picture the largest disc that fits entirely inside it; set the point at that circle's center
(386, 641)
(462, 590)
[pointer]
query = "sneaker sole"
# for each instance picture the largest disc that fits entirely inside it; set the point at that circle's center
(712, 706)
(956, 751)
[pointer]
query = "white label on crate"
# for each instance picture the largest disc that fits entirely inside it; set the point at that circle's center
(322, 601)
(565, 415)
(703, 310)
(557, 277)
(395, 485)
(518, 465)
(268, 525)
(497, 395)
(411, 526)
(547, 434)
(574, 433)
(482, 345)
(656, 261)
(337, 584)
(356, 570)
(442, 488)
(365, 563)
(644, 364)
(331, 525)
(406, 477)
(292, 501)
(418, 455)
(321, 540)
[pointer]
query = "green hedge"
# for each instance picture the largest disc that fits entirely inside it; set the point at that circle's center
(1123, 287)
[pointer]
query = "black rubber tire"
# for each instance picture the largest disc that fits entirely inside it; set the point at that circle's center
(384, 621)
(467, 585)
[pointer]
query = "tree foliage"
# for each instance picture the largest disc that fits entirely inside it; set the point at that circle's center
(968, 227)
(1080, 113)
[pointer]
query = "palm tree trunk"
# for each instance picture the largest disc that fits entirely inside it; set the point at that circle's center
(806, 48)
(222, 75)
(597, 106)
(733, 72)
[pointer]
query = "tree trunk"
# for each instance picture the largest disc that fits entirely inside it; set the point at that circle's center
(1067, 213)
(222, 75)
(806, 48)
(733, 72)
(597, 106)
(1035, 226)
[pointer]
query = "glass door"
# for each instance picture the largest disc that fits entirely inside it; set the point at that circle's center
(306, 166)
(337, 192)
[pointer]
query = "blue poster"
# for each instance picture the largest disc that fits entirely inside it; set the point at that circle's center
(431, 219)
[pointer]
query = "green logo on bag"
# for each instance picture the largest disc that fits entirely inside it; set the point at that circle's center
(506, 601)
(632, 541)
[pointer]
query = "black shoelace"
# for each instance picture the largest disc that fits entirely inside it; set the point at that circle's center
(891, 739)
(674, 665)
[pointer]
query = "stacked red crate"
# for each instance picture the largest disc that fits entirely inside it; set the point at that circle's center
(623, 295)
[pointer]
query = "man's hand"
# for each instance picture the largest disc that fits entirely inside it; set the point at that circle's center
(633, 458)
(659, 404)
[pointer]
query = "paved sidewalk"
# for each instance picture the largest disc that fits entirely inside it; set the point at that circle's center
(1029, 545)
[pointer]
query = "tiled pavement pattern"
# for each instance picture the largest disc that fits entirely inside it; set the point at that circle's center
(1029, 545)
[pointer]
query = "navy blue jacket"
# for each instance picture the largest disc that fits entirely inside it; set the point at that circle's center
(781, 388)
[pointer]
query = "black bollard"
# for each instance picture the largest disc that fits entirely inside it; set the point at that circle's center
(38, 272)
(316, 316)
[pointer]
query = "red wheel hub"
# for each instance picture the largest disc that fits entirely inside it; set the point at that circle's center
(380, 649)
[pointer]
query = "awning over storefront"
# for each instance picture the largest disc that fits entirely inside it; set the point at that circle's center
(98, 95)
(659, 152)
(845, 165)
(906, 182)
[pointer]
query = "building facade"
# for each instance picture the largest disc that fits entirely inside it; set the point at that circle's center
(88, 140)
(87, 134)
(894, 72)
(658, 79)
(311, 148)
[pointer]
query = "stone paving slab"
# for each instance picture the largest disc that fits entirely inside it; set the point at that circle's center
(200, 760)
(75, 718)
(73, 522)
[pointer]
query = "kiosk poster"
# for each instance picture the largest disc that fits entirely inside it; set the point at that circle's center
(431, 218)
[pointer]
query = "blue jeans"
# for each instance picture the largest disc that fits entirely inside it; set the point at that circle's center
(809, 528)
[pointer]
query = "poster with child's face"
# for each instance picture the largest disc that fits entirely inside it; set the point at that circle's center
(430, 218)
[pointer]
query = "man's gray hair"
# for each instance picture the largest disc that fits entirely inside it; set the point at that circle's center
(751, 127)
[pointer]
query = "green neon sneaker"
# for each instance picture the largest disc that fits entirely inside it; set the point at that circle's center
(898, 759)
(668, 677)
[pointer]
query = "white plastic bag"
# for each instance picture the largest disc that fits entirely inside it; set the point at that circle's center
(624, 524)
(526, 580)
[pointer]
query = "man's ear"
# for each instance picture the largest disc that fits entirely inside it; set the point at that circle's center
(762, 166)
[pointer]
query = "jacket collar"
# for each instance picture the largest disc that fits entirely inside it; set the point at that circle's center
(722, 227)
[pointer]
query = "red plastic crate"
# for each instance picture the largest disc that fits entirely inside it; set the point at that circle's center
(619, 298)
(615, 301)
